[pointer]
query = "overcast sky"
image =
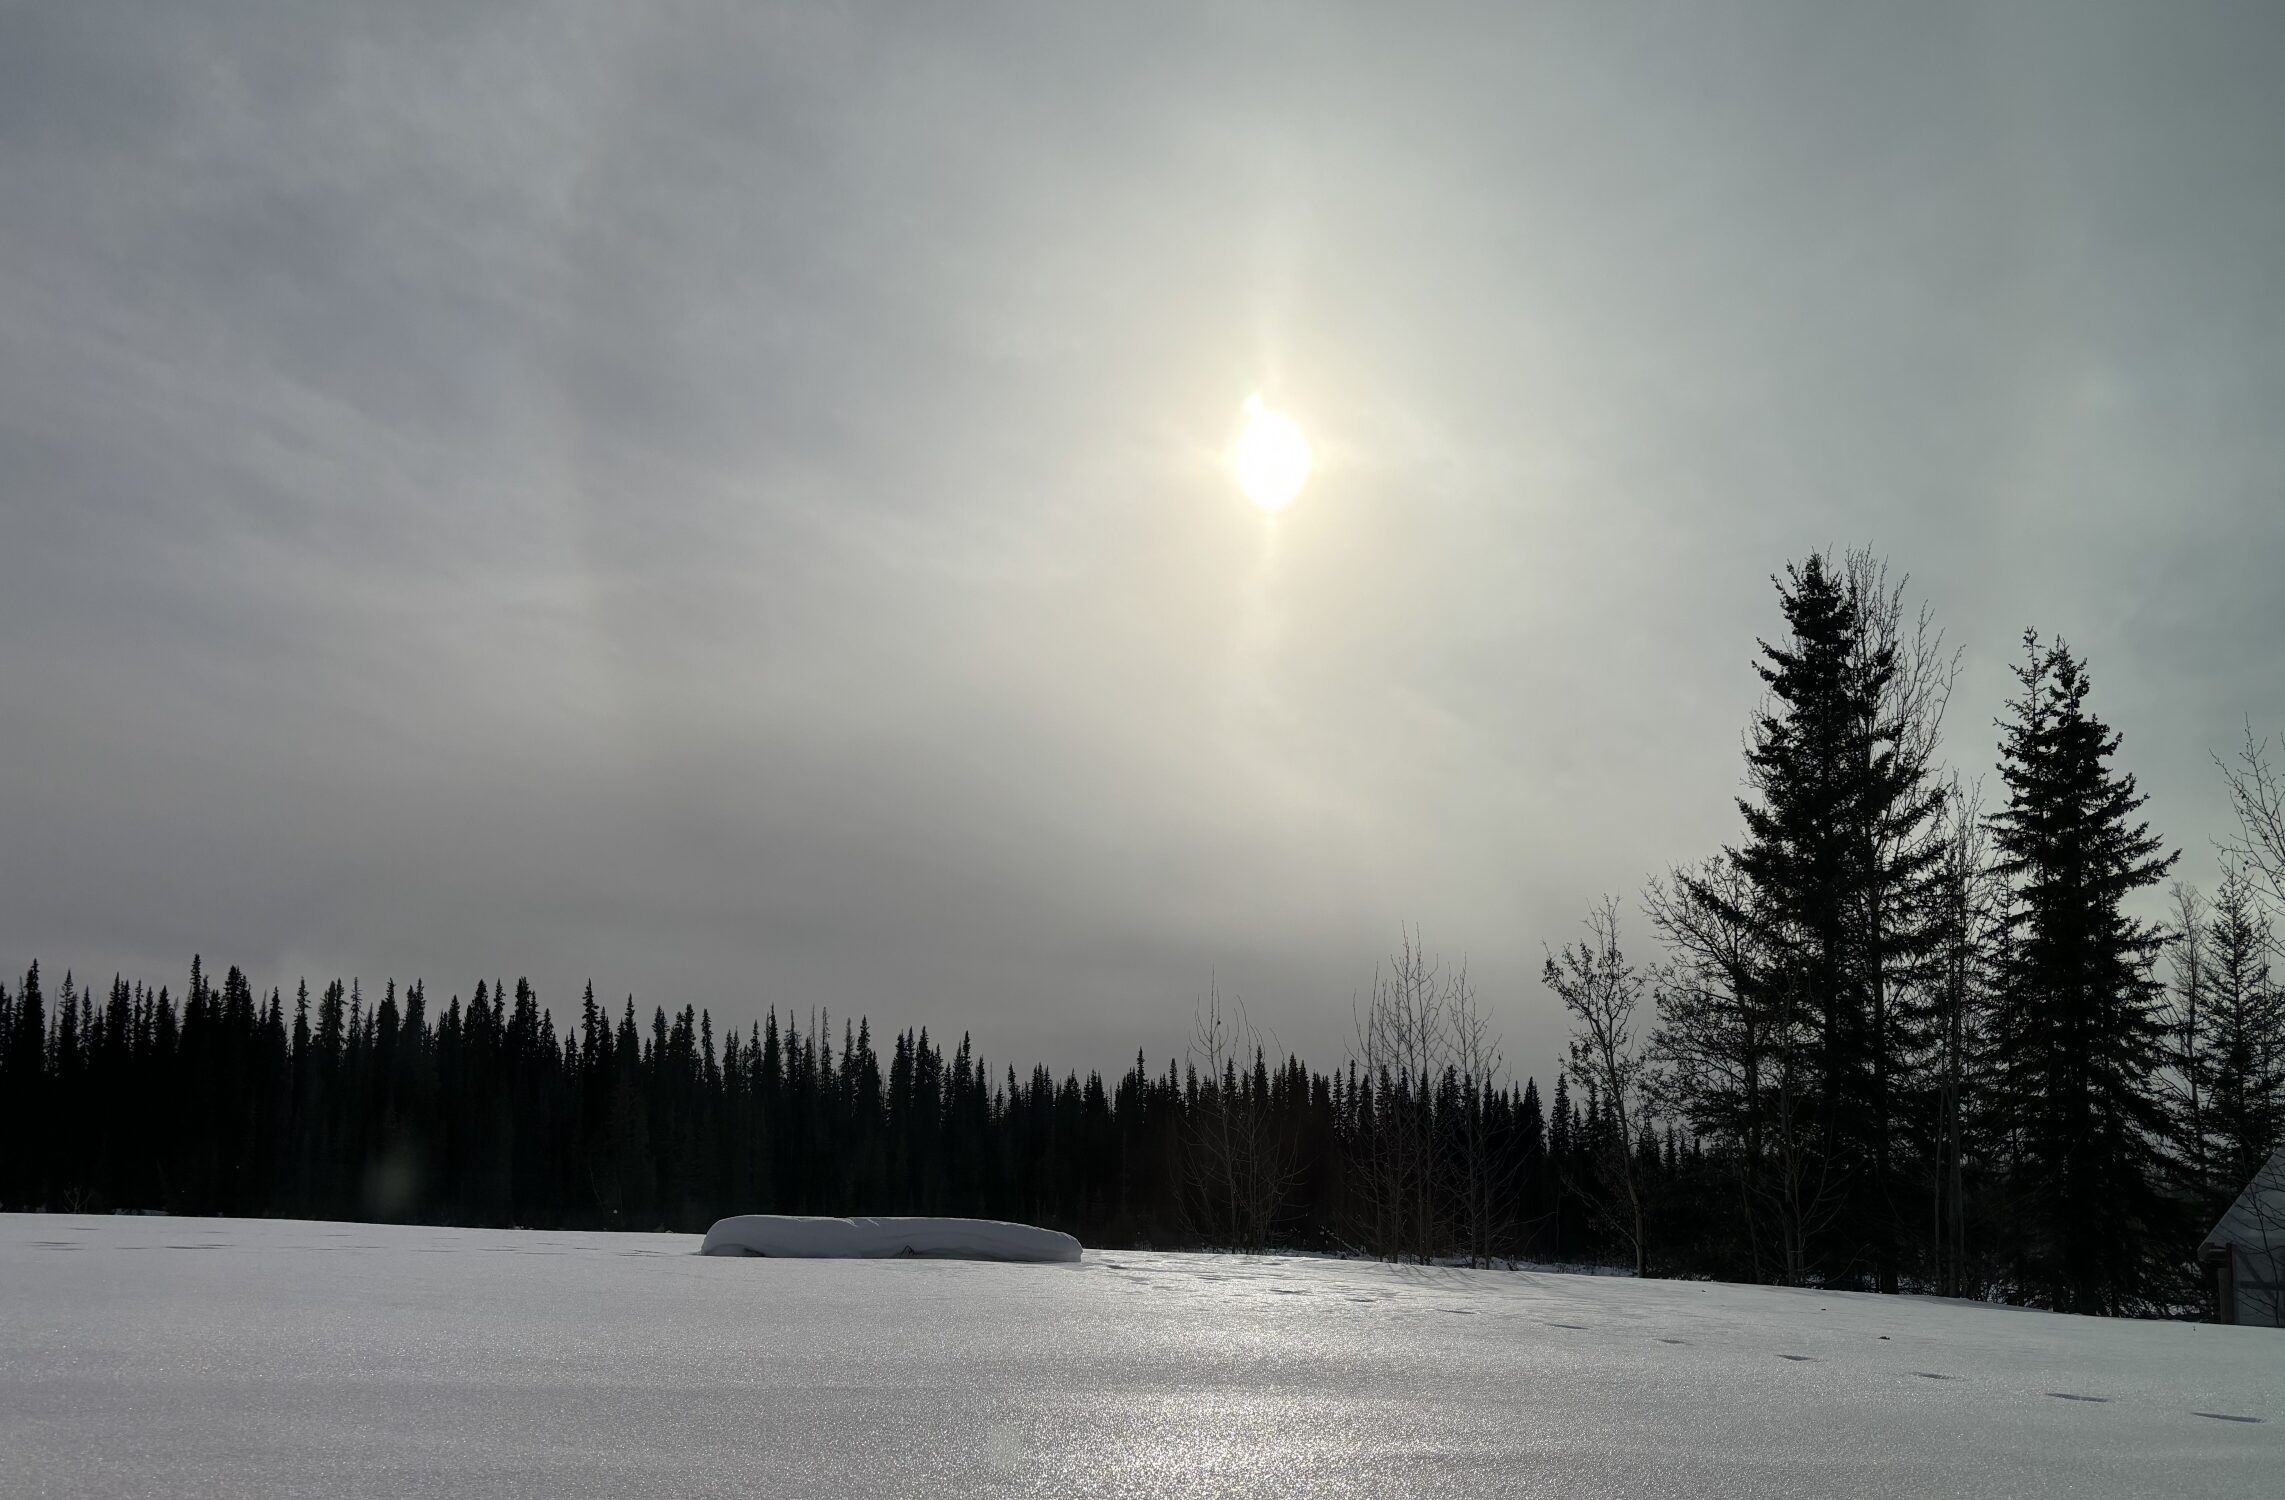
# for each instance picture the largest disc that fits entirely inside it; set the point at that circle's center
(728, 500)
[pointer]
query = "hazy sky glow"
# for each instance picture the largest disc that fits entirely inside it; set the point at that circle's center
(730, 501)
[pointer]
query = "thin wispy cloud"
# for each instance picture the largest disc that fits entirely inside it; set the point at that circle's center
(726, 501)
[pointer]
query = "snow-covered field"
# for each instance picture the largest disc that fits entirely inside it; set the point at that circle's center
(233, 1357)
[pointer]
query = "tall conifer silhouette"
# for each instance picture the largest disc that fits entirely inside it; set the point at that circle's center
(2079, 1039)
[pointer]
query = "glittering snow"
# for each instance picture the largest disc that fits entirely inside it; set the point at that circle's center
(231, 1357)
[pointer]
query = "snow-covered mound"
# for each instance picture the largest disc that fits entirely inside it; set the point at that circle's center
(885, 1239)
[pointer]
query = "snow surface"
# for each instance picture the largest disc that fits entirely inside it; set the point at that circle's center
(234, 1357)
(881, 1239)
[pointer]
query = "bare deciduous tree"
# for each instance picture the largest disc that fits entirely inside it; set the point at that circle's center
(1479, 1178)
(1403, 1045)
(1239, 1167)
(2185, 1023)
(1711, 1049)
(1958, 991)
(2257, 797)
(1926, 668)
(1805, 1187)
(1899, 926)
(1601, 990)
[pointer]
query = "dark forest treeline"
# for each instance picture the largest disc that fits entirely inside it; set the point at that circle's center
(330, 1105)
(1892, 1038)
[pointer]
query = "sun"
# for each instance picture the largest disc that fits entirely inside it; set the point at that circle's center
(1270, 459)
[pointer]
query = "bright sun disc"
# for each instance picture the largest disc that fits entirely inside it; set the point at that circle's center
(1271, 458)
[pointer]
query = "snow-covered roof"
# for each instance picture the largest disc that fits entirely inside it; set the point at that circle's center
(2257, 1219)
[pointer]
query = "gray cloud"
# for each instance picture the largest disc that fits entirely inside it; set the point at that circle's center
(725, 501)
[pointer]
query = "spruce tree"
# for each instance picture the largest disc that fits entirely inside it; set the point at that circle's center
(2240, 1046)
(1838, 862)
(2078, 1036)
(28, 1098)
